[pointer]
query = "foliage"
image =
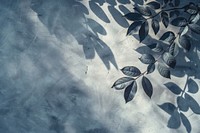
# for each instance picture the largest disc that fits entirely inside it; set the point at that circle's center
(154, 15)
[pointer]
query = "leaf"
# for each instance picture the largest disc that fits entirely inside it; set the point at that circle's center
(166, 1)
(174, 121)
(131, 71)
(168, 36)
(168, 107)
(130, 92)
(192, 86)
(144, 30)
(133, 16)
(133, 26)
(186, 122)
(144, 10)
(174, 13)
(147, 59)
(173, 88)
(184, 30)
(165, 19)
(154, 4)
(147, 86)
(156, 47)
(163, 71)
(122, 83)
(191, 8)
(179, 21)
(155, 25)
(195, 18)
(151, 67)
(174, 49)
(169, 59)
(195, 28)
(194, 106)
(185, 42)
(176, 2)
(182, 104)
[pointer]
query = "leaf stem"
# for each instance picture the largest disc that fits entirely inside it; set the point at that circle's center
(184, 86)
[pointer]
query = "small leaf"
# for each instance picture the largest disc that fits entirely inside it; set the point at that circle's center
(144, 10)
(154, 4)
(168, 36)
(174, 121)
(186, 122)
(163, 71)
(173, 88)
(168, 107)
(184, 30)
(182, 104)
(165, 18)
(192, 86)
(131, 71)
(191, 8)
(133, 26)
(169, 59)
(174, 49)
(151, 67)
(195, 18)
(134, 16)
(147, 86)
(155, 25)
(179, 21)
(144, 30)
(185, 42)
(130, 92)
(195, 28)
(194, 106)
(156, 47)
(147, 59)
(122, 83)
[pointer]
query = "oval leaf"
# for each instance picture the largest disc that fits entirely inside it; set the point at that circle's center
(194, 106)
(151, 68)
(168, 36)
(195, 28)
(147, 59)
(185, 42)
(186, 122)
(168, 107)
(169, 59)
(130, 92)
(174, 13)
(195, 18)
(144, 30)
(173, 88)
(174, 49)
(156, 47)
(165, 19)
(191, 8)
(174, 121)
(122, 83)
(154, 4)
(179, 21)
(155, 25)
(176, 2)
(133, 26)
(182, 104)
(163, 70)
(144, 10)
(131, 71)
(192, 86)
(133, 16)
(147, 86)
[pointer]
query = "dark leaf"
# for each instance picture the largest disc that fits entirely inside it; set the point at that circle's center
(130, 92)
(171, 4)
(168, 36)
(191, 8)
(122, 83)
(174, 49)
(147, 59)
(173, 88)
(163, 70)
(184, 41)
(195, 28)
(156, 47)
(174, 13)
(192, 86)
(194, 106)
(166, 1)
(155, 25)
(186, 122)
(174, 121)
(182, 104)
(144, 10)
(176, 2)
(179, 21)
(194, 18)
(131, 71)
(165, 18)
(144, 30)
(168, 107)
(134, 16)
(133, 26)
(183, 30)
(151, 68)
(169, 59)
(147, 86)
(154, 4)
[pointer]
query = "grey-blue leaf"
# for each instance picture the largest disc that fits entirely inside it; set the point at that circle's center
(186, 122)
(144, 31)
(122, 83)
(147, 86)
(191, 8)
(131, 71)
(192, 86)
(176, 2)
(195, 18)
(169, 59)
(156, 47)
(163, 70)
(165, 19)
(173, 88)
(182, 104)
(168, 107)
(151, 67)
(154, 4)
(155, 25)
(174, 49)
(134, 26)
(194, 106)
(168, 36)
(179, 21)
(130, 92)
(144, 10)
(174, 121)
(195, 28)
(133, 16)
(184, 41)
(147, 59)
